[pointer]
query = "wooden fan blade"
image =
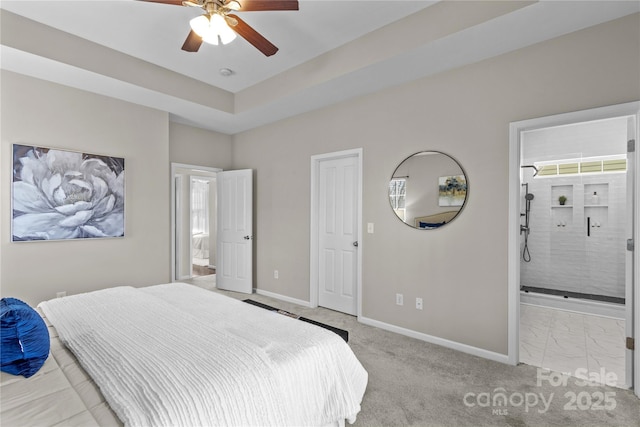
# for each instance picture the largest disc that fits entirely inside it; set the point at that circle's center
(174, 2)
(253, 37)
(262, 5)
(192, 43)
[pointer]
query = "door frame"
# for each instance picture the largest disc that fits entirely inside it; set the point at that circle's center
(315, 226)
(174, 206)
(515, 130)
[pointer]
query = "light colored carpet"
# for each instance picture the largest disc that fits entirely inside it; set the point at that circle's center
(412, 382)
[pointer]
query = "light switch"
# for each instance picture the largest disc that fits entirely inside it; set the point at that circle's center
(370, 227)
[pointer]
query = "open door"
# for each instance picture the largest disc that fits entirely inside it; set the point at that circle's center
(629, 264)
(235, 231)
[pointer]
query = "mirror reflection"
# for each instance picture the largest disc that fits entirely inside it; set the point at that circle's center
(428, 190)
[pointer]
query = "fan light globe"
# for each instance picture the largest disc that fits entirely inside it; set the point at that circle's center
(211, 29)
(220, 26)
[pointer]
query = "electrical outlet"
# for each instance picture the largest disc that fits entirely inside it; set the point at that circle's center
(419, 303)
(61, 294)
(370, 227)
(399, 299)
(275, 274)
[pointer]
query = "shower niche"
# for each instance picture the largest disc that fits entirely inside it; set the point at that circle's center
(558, 191)
(562, 209)
(581, 250)
(596, 208)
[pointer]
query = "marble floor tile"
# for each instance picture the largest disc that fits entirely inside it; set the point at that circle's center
(535, 315)
(599, 325)
(565, 343)
(569, 342)
(611, 368)
(565, 363)
(565, 321)
(532, 349)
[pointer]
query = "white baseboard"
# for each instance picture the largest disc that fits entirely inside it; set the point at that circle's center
(475, 351)
(282, 297)
(598, 308)
(486, 354)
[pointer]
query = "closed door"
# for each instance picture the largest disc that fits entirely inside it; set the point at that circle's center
(338, 234)
(235, 231)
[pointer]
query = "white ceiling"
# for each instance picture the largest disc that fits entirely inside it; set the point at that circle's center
(330, 50)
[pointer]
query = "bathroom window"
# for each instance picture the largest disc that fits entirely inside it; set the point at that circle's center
(199, 206)
(589, 165)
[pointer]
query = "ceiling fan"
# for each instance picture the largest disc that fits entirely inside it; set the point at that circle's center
(218, 24)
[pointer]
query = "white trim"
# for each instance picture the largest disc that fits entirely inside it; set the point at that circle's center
(513, 252)
(513, 275)
(476, 351)
(403, 331)
(313, 245)
(636, 258)
(282, 297)
(174, 167)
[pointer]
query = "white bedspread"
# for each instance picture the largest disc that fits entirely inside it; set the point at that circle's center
(176, 354)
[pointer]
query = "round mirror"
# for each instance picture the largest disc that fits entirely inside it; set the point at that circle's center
(428, 190)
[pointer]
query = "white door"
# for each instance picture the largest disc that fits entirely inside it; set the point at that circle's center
(631, 167)
(338, 234)
(234, 270)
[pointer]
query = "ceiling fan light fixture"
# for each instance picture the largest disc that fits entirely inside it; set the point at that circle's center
(233, 5)
(201, 26)
(220, 26)
(210, 29)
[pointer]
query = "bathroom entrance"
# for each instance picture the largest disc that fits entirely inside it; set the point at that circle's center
(574, 283)
(194, 222)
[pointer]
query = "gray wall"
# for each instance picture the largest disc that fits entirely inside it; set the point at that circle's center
(50, 115)
(193, 146)
(460, 270)
(39, 113)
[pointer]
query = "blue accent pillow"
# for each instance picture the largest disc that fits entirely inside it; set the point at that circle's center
(25, 338)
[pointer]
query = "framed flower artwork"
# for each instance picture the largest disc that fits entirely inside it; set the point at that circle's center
(60, 194)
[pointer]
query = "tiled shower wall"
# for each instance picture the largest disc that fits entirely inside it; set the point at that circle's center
(563, 257)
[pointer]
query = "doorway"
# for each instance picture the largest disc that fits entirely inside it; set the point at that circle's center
(193, 221)
(336, 223)
(571, 276)
(203, 244)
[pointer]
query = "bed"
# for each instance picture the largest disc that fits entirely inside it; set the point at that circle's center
(176, 354)
(200, 248)
(434, 220)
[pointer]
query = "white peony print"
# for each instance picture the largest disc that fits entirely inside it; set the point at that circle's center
(66, 195)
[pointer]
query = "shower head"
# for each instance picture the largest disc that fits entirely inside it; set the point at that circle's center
(528, 196)
(531, 166)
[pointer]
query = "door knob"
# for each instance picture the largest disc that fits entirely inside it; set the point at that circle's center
(247, 237)
(355, 243)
